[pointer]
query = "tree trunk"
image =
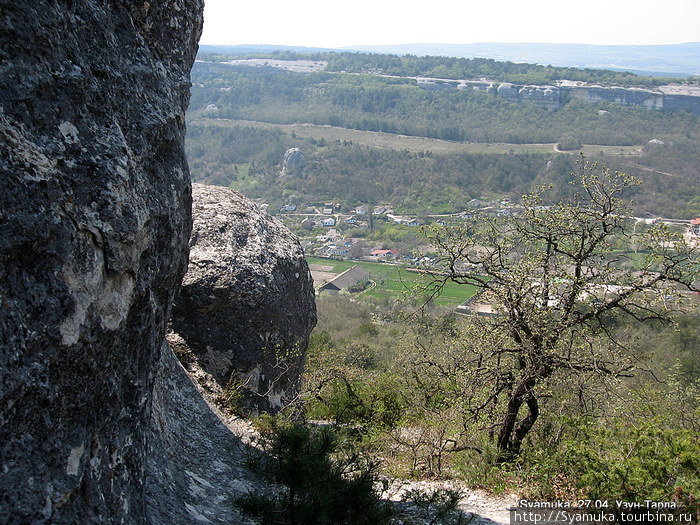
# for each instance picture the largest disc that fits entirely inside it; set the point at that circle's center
(510, 437)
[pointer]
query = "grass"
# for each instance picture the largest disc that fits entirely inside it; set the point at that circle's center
(393, 281)
(377, 139)
(244, 181)
(242, 170)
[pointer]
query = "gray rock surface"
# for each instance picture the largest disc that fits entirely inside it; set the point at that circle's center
(293, 162)
(246, 306)
(508, 92)
(666, 98)
(95, 219)
(544, 96)
(197, 466)
(624, 97)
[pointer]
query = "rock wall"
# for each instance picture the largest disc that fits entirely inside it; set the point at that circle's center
(554, 97)
(624, 97)
(197, 466)
(95, 220)
(243, 316)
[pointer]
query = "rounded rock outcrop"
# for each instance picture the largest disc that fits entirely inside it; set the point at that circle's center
(293, 162)
(246, 307)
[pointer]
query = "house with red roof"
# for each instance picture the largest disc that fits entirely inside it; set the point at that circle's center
(693, 233)
(384, 254)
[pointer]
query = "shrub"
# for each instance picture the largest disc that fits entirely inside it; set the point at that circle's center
(569, 143)
(618, 459)
(636, 463)
(360, 286)
(319, 484)
(439, 506)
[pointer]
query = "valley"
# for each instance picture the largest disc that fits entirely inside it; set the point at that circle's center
(413, 144)
(469, 249)
(438, 148)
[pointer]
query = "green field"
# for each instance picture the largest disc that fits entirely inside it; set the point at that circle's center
(377, 139)
(395, 282)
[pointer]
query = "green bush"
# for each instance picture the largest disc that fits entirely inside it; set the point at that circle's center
(617, 459)
(319, 485)
(569, 143)
(360, 286)
(636, 463)
(438, 506)
(367, 402)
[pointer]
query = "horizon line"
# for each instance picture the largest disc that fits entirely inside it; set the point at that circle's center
(450, 44)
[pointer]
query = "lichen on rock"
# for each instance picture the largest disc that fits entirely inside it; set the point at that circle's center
(99, 423)
(95, 222)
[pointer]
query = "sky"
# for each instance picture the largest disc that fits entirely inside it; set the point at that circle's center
(329, 23)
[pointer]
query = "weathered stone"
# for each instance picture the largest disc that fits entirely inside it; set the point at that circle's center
(508, 92)
(665, 98)
(197, 466)
(436, 84)
(544, 96)
(622, 96)
(95, 220)
(294, 162)
(246, 306)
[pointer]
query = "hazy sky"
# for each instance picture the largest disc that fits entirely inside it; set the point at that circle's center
(330, 23)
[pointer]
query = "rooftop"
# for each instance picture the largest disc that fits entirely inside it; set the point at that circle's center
(349, 277)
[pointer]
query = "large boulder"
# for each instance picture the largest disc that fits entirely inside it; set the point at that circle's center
(95, 214)
(246, 307)
(293, 162)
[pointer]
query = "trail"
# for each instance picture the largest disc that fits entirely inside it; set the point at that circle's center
(488, 509)
(655, 171)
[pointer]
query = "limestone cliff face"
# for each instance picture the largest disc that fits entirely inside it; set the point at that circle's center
(247, 301)
(95, 219)
(555, 97)
(246, 307)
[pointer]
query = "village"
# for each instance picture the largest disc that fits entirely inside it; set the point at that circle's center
(326, 230)
(371, 251)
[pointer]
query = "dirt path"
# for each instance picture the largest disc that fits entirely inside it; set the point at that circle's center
(654, 171)
(488, 509)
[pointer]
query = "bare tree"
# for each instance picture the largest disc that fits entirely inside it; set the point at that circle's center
(358, 249)
(555, 279)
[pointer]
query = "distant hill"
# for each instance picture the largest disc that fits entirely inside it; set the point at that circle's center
(677, 60)
(667, 60)
(246, 49)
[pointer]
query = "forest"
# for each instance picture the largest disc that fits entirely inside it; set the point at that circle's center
(249, 158)
(397, 105)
